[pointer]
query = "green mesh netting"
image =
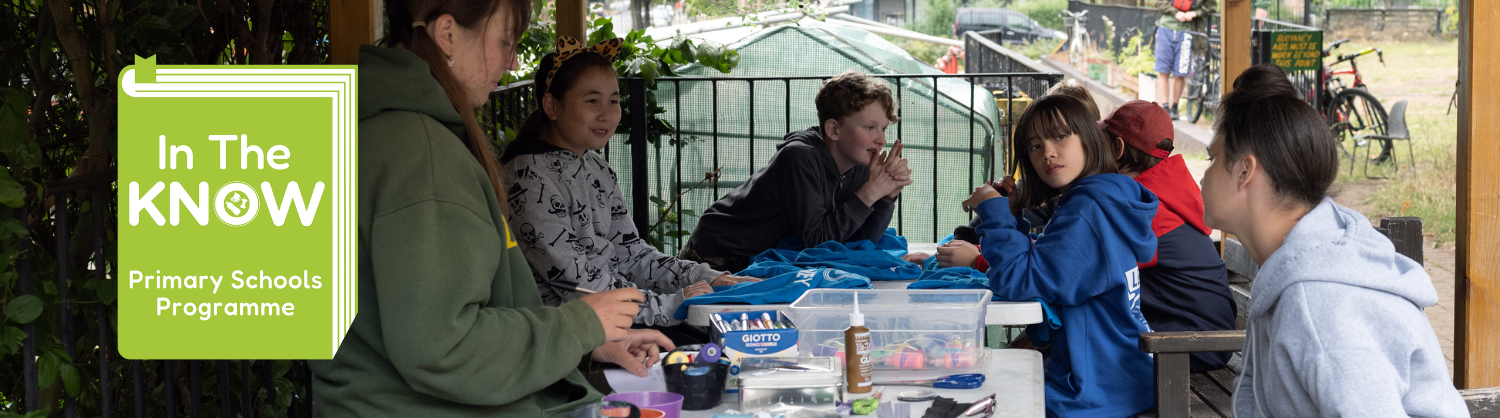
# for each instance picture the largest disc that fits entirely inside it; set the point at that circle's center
(950, 136)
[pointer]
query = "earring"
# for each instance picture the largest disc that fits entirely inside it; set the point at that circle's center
(450, 62)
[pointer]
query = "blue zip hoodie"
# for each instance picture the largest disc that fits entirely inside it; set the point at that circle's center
(1336, 328)
(1084, 264)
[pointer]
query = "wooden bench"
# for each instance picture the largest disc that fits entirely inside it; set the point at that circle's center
(1180, 393)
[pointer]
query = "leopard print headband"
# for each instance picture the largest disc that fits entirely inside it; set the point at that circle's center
(567, 47)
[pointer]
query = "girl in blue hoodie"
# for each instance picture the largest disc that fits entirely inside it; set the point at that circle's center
(1336, 326)
(1083, 263)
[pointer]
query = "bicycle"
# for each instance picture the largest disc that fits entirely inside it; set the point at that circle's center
(1352, 110)
(1203, 87)
(1078, 41)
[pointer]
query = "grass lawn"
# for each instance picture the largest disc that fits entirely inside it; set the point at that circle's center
(1423, 74)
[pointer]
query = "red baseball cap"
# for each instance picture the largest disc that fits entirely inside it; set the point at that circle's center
(1142, 124)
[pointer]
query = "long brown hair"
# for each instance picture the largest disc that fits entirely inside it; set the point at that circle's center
(1048, 117)
(469, 14)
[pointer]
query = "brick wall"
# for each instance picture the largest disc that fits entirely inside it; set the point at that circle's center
(1383, 24)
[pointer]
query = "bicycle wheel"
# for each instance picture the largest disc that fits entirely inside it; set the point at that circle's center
(1195, 92)
(1355, 112)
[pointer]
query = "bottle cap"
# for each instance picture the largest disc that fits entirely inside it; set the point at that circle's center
(856, 319)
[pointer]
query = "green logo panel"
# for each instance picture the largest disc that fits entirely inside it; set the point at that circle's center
(237, 211)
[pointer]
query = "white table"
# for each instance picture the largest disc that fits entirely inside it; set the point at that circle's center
(998, 313)
(1013, 375)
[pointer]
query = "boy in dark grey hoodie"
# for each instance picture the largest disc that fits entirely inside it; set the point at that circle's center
(1336, 325)
(828, 182)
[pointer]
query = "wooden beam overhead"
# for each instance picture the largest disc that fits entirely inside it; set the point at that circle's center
(570, 18)
(351, 23)
(1235, 29)
(1476, 339)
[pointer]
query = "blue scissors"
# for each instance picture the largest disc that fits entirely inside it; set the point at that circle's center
(956, 381)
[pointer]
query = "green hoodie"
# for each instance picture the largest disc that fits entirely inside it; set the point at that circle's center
(450, 322)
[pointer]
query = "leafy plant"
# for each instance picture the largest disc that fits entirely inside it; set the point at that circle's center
(667, 223)
(1135, 56)
(937, 18)
(59, 63)
(640, 56)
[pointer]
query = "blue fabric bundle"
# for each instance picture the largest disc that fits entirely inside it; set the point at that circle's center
(783, 288)
(968, 278)
(875, 260)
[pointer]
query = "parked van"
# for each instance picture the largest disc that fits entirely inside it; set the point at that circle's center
(1016, 27)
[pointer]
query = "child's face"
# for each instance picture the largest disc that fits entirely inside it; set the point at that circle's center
(1058, 160)
(857, 138)
(587, 115)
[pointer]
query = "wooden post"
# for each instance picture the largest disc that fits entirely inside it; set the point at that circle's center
(351, 23)
(1477, 319)
(1236, 38)
(570, 18)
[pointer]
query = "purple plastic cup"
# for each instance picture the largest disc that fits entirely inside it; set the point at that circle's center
(670, 404)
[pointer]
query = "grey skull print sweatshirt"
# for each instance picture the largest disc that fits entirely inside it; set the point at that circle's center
(568, 215)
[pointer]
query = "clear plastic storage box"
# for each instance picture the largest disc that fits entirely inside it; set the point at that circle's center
(909, 328)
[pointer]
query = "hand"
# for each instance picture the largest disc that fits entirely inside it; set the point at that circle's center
(916, 258)
(640, 349)
(1181, 16)
(731, 280)
(881, 182)
(982, 193)
(616, 309)
(957, 254)
(1007, 187)
(696, 289)
(899, 170)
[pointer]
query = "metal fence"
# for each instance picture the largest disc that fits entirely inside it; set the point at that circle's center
(675, 164)
(1128, 21)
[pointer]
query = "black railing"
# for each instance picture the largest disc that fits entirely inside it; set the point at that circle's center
(1128, 21)
(736, 123)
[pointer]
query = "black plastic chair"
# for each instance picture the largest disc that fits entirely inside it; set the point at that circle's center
(1396, 130)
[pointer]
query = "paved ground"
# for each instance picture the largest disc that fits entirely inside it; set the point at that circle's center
(1192, 140)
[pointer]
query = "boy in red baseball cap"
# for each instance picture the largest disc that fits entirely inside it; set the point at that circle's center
(1186, 287)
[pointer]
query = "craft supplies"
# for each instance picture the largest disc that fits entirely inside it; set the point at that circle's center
(909, 328)
(956, 381)
(678, 357)
(894, 410)
(618, 409)
(573, 287)
(700, 383)
(857, 357)
(810, 382)
(669, 404)
(737, 344)
(864, 406)
(709, 353)
(916, 396)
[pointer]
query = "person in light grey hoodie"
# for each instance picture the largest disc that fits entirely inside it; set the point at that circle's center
(1336, 325)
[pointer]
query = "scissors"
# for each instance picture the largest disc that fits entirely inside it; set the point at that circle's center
(956, 381)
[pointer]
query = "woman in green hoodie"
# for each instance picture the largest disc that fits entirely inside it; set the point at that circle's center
(445, 326)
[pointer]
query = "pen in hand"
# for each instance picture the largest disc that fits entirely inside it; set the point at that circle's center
(573, 287)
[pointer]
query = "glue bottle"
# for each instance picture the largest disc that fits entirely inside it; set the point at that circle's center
(857, 363)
